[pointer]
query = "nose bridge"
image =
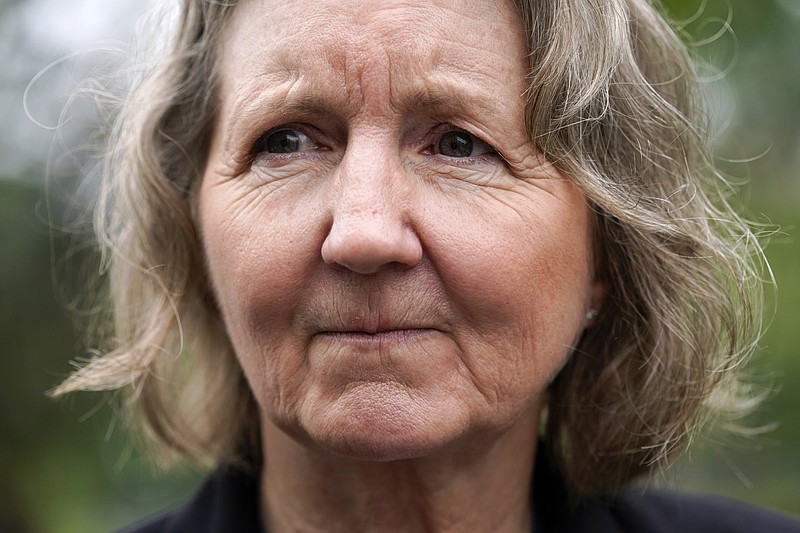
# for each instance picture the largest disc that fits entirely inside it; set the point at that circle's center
(371, 217)
(368, 182)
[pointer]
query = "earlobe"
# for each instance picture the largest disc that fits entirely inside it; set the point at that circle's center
(596, 300)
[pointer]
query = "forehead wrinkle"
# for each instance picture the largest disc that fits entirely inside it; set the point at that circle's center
(380, 85)
(359, 75)
(291, 98)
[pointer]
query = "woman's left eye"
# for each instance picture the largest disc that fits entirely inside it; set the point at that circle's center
(460, 144)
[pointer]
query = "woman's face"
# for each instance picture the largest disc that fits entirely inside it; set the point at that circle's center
(398, 269)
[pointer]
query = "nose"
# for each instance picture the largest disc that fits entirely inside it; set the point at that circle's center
(371, 216)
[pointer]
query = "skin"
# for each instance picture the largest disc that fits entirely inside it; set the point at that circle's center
(398, 312)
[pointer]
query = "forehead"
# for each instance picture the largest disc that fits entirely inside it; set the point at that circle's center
(362, 50)
(358, 23)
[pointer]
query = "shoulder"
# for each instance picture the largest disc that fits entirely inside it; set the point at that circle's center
(227, 501)
(664, 511)
(652, 510)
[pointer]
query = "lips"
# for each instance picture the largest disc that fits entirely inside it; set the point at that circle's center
(376, 307)
(384, 336)
(379, 328)
(374, 324)
(357, 325)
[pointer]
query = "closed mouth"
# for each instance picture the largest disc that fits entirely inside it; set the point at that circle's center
(387, 335)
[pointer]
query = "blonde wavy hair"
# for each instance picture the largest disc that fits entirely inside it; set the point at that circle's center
(612, 101)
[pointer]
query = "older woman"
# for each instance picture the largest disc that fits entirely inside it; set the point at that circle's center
(363, 255)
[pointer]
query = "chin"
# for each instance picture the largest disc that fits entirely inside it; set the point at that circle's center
(377, 447)
(377, 424)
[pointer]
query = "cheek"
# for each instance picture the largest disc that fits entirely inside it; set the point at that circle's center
(259, 246)
(258, 258)
(521, 278)
(239, 257)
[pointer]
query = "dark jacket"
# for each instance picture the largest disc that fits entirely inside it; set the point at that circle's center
(228, 502)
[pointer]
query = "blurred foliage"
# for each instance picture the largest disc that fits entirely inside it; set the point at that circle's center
(67, 467)
(756, 46)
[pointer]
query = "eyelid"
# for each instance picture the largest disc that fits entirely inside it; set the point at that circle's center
(433, 137)
(305, 130)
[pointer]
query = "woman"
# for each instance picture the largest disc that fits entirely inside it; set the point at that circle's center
(361, 252)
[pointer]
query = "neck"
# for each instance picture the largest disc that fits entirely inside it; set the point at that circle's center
(480, 485)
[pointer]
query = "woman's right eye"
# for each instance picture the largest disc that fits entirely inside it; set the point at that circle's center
(285, 141)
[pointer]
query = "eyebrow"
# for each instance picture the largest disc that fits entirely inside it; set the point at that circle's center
(267, 102)
(299, 98)
(249, 110)
(435, 98)
(303, 104)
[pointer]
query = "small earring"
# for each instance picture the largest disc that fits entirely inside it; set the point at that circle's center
(591, 314)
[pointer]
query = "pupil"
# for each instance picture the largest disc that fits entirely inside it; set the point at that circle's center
(283, 142)
(455, 144)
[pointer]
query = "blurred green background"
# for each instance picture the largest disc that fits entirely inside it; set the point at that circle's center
(67, 466)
